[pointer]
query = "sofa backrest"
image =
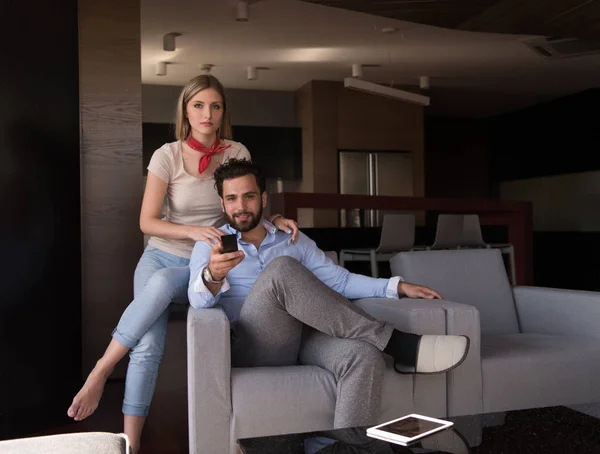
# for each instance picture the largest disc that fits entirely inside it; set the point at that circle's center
(333, 256)
(470, 276)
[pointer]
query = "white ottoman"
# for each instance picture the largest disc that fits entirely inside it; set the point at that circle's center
(77, 443)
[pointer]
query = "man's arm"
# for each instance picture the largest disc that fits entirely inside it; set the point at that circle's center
(355, 286)
(208, 271)
(200, 293)
(352, 286)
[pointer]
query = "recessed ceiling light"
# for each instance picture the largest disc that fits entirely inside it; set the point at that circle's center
(389, 30)
(161, 68)
(169, 41)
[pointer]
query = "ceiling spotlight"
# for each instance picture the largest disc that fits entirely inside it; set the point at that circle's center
(242, 11)
(252, 72)
(161, 68)
(206, 68)
(424, 82)
(169, 41)
(357, 70)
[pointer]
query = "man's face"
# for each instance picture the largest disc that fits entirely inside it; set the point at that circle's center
(242, 202)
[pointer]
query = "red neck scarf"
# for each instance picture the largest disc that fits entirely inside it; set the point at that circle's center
(208, 152)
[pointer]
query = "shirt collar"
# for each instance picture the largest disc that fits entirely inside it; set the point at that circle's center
(270, 228)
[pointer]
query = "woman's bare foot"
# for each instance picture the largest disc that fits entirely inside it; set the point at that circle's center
(87, 399)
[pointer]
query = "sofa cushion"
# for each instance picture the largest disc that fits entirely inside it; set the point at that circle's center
(476, 277)
(333, 256)
(277, 400)
(538, 370)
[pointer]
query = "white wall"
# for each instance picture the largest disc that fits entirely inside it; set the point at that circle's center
(567, 203)
(247, 107)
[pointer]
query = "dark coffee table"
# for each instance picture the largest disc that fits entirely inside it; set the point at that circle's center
(550, 430)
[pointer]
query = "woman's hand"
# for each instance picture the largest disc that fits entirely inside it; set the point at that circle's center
(210, 235)
(288, 226)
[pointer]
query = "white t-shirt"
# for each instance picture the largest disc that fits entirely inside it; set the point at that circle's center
(190, 200)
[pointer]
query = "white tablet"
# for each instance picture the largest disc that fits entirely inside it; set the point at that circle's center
(408, 429)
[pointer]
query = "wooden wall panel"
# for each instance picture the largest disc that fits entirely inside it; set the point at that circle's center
(325, 137)
(304, 107)
(111, 165)
(371, 122)
(339, 118)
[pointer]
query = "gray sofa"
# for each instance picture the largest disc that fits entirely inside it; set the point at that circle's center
(535, 346)
(225, 403)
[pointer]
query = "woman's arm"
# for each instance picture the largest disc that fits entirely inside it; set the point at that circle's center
(151, 224)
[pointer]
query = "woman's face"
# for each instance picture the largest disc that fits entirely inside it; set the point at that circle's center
(205, 112)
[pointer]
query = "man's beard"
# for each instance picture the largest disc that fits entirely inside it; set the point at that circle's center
(247, 225)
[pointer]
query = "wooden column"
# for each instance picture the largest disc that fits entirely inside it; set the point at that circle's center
(111, 164)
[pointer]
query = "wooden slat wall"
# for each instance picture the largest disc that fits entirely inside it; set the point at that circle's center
(441, 13)
(111, 165)
(564, 18)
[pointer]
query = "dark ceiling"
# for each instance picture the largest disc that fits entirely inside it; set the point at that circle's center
(557, 18)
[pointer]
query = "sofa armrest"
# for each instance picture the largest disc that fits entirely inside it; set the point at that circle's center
(406, 314)
(209, 380)
(543, 310)
(424, 316)
(463, 384)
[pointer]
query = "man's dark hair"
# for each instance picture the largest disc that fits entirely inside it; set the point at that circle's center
(235, 168)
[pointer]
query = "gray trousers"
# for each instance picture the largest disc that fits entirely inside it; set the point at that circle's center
(290, 316)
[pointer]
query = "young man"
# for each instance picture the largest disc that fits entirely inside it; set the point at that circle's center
(288, 303)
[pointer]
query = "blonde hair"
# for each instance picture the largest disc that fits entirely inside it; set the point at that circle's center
(182, 127)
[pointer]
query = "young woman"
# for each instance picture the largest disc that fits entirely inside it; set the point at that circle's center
(181, 172)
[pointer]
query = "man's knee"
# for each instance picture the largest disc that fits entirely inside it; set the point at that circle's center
(282, 266)
(366, 356)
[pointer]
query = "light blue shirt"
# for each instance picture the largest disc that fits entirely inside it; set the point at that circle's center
(240, 279)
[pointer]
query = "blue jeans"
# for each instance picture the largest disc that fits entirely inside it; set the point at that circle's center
(160, 279)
